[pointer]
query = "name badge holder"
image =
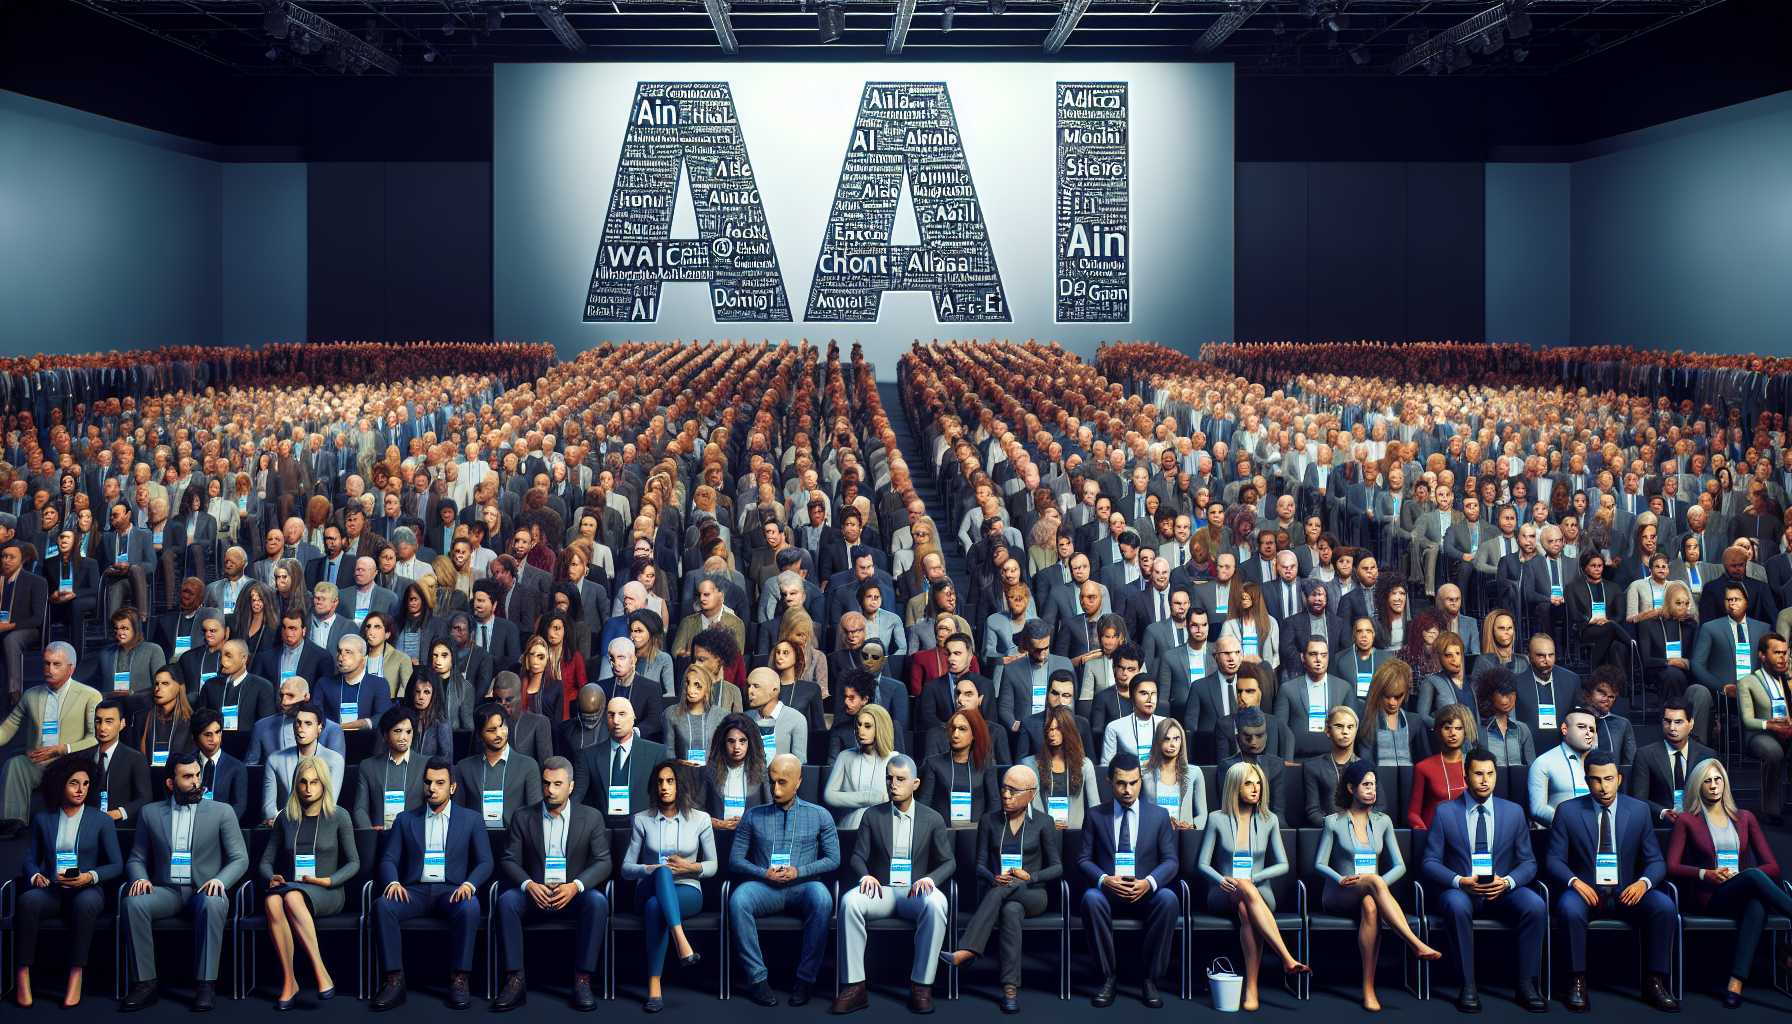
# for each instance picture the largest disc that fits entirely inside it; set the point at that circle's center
(1010, 861)
(733, 806)
(348, 712)
(1315, 719)
(435, 866)
(5, 615)
(1555, 590)
(1728, 859)
(229, 604)
(182, 644)
(1143, 750)
(180, 867)
(1250, 644)
(1598, 609)
(1059, 808)
(304, 865)
(902, 872)
(393, 805)
(1241, 864)
(770, 740)
(360, 614)
(1363, 679)
(618, 800)
(491, 803)
(158, 757)
(1777, 707)
(66, 861)
(66, 585)
(961, 806)
(1546, 715)
(1170, 802)
(1364, 862)
(231, 717)
(121, 682)
(1126, 864)
(698, 756)
(1679, 798)
(554, 870)
(1038, 698)
(1674, 649)
(1656, 596)
(1481, 864)
(51, 732)
(780, 860)
(105, 801)
(1745, 661)
(1221, 602)
(123, 557)
(1580, 787)
(1605, 869)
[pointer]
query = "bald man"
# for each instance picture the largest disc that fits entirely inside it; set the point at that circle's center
(782, 852)
(613, 776)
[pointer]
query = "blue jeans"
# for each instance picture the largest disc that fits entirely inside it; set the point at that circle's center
(755, 899)
(664, 904)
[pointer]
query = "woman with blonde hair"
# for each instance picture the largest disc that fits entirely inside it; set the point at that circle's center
(306, 866)
(1248, 838)
(693, 720)
(1390, 735)
(857, 779)
(797, 627)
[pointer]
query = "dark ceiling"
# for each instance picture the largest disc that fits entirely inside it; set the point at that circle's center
(1589, 68)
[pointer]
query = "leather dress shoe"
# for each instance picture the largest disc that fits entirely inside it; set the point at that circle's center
(582, 997)
(1576, 1000)
(1657, 994)
(1010, 999)
(762, 994)
(459, 995)
(852, 997)
(1148, 995)
(511, 994)
(920, 998)
(143, 994)
(800, 991)
(1105, 997)
(205, 996)
(1468, 1000)
(391, 993)
(1530, 998)
(654, 1004)
(1732, 1000)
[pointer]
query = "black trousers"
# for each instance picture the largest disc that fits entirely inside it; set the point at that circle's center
(1006, 905)
(1159, 909)
(79, 907)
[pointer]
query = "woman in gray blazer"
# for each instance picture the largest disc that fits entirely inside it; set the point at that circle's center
(307, 863)
(1249, 840)
(671, 848)
(1360, 857)
(1171, 782)
(1065, 791)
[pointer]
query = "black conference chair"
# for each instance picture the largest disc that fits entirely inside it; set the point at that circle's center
(1290, 892)
(1415, 974)
(624, 918)
(846, 883)
(248, 919)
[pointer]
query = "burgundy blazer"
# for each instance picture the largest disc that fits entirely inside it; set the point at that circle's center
(1690, 848)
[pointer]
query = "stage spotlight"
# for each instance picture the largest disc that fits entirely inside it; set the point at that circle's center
(946, 15)
(830, 22)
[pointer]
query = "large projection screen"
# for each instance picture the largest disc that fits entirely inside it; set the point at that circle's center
(1079, 203)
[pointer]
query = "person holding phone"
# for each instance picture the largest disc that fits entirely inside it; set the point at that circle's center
(74, 853)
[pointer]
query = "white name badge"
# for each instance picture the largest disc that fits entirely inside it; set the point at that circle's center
(180, 867)
(1250, 645)
(242, 503)
(158, 758)
(1555, 590)
(350, 710)
(780, 860)
(1598, 609)
(1778, 707)
(1481, 864)
(5, 615)
(230, 717)
(618, 803)
(697, 755)
(1729, 859)
(1038, 698)
(902, 870)
(1125, 864)
(1241, 864)
(155, 538)
(1010, 861)
(1362, 683)
(1222, 602)
(1546, 715)
(229, 604)
(733, 806)
(1170, 802)
(435, 866)
(1745, 662)
(121, 682)
(1315, 719)
(1364, 862)
(1059, 807)
(66, 860)
(491, 802)
(360, 614)
(554, 871)
(1656, 596)
(770, 739)
(961, 805)
(287, 673)
(51, 730)
(1605, 869)
(1674, 649)
(304, 865)
(1143, 750)
(105, 801)
(124, 555)
(393, 805)
(182, 644)
(1580, 786)
(67, 586)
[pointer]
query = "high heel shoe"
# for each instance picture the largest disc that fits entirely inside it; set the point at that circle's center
(690, 961)
(283, 1005)
(324, 995)
(1732, 1000)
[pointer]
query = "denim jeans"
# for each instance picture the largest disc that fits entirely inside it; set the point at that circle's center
(755, 899)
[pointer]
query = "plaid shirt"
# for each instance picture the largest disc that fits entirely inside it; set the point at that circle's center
(805, 831)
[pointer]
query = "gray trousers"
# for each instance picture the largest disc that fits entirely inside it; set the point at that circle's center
(928, 913)
(22, 781)
(1772, 752)
(137, 578)
(206, 912)
(1004, 906)
(14, 645)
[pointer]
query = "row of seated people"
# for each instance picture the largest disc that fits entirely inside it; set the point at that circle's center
(615, 774)
(1601, 859)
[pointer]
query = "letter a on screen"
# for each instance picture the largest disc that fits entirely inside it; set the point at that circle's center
(906, 129)
(692, 125)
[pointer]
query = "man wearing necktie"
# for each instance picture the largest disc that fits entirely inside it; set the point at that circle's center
(1605, 862)
(1129, 859)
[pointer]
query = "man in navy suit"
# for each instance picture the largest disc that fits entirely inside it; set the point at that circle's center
(1604, 857)
(294, 656)
(435, 860)
(221, 777)
(1129, 860)
(1479, 859)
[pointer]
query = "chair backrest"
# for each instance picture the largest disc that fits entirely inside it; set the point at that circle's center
(1402, 794)
(810, 788)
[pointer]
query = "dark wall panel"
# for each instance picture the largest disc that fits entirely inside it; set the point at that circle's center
(1356, 241)
(1270, 251)
(400, 251)
(346, 251)
(1446, 250)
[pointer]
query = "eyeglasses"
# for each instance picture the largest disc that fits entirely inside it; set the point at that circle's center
(1016, 790)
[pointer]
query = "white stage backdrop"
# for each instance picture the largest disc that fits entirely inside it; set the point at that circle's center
(878, 203)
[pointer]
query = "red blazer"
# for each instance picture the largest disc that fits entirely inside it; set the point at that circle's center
(1690, 848)
(1428, 789)
(925, 665)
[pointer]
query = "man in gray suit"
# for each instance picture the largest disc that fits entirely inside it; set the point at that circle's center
(498, 781)
(276, 778)
(902, 857)
(188, 854)
(1304, 701)
(367, 596)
